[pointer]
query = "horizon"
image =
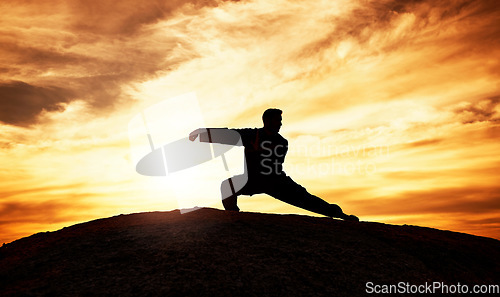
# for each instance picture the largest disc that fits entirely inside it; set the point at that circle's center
(391, 110)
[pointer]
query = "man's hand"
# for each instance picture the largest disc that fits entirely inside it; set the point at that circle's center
(195, 133)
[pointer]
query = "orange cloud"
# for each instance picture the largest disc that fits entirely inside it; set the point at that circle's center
(86, 49)
(463, 200)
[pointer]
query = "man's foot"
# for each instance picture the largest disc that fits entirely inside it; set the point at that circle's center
(233, 210)
(351, 218)
(229, 203)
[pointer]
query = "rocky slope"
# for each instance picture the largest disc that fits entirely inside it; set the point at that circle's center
(211, 252)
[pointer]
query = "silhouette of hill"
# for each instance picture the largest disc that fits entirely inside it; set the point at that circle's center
(211, 252)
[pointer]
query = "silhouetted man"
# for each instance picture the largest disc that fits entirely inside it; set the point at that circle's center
(265, 151)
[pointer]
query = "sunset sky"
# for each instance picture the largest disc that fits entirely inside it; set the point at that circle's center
(391, 108)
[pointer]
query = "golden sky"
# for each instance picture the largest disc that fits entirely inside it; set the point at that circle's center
(391, 108)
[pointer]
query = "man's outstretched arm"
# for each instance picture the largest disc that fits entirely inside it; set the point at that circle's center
(216, 135)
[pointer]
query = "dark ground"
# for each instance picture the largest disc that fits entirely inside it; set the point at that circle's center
(210, 252)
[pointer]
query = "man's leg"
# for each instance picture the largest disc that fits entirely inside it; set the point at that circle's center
(230, 189)
(228, 195)
(286, 190)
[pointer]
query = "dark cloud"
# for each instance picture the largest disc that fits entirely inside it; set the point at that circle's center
(22, 103)
(441, 9)
(421, 175)
(62, 203)
(483, 110)
(16, 218)
(46, 212)
(430, 16)
(45, 57)
(467, 200)
(111, 17)
(7, 194)
(495, 222)
(127, 16)
(97, 80)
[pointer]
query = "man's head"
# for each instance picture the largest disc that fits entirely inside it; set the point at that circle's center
(272, 120)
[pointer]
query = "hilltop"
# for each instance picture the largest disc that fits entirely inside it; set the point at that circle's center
(211, 252)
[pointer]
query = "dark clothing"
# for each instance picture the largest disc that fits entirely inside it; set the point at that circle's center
(264, 154)
(280, 187)
(264, 157)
